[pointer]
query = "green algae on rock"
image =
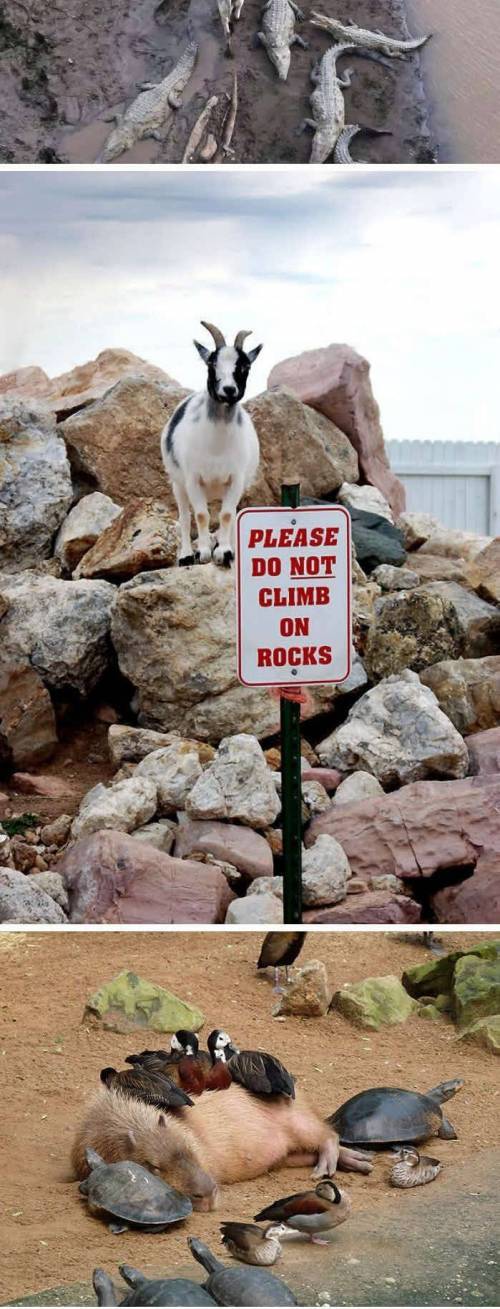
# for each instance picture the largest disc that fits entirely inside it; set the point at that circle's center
(129, 1002)
(375, 1001)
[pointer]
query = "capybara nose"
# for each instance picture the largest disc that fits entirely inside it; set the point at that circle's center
(204, 1203)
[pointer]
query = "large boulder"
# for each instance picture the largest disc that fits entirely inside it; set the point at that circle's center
(454, 543)
(374, 1002)
(28, 734)
(129, 1003)
(336, 381)
(230, 843)
(484, 752)
(368, 907)
(476, 899)
(417, 528)
(122, 806)
(398, 733)
(112, 878)
(437, 568)
(174, 770)
(22, 901)
(35, 484)
(62, 628)
(485, 1032)
(82, 384)
(114, 443)
(476, 989)
(307, 993)
(237, 785)
(468, 691)
(295, 440)
(440, 620)
(174, 634)
(483, 573)
(84, 524)
(128, 744)
(143, 537)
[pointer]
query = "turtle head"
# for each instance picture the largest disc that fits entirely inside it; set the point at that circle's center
(445, 1090)
(94, 1160)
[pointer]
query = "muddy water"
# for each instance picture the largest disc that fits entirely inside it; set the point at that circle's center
(461, 68)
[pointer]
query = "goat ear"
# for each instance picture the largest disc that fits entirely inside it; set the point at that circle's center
(203, 351)
(252, 354)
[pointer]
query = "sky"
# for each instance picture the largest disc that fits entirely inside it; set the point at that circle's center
(403, 265)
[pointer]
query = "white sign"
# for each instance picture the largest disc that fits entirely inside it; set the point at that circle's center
(293, 570)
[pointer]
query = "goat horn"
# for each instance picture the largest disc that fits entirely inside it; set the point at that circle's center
(214, 331)
(239, 339)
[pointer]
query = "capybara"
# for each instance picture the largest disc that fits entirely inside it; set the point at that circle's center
(227, 1137)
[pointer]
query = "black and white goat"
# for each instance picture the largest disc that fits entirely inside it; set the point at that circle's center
(210, 449)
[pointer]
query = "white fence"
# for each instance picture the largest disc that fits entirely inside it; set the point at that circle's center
(457, 481)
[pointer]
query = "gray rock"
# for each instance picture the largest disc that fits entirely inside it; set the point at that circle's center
(53, 885)
(80, 530)
(358, 786)
(398, 733)
(174, 771)
(238, 785)
(436, 621)
(417, 528)
(390, 578)
(62, 628)
(122, 806)
(35, 483)
(366, 497)
(267, 886)
(131, 744)
(314, 799)
(21, 901)
(325, 872)
(160, 834)
(256, 909)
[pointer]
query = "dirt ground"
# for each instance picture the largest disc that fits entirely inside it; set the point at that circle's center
(64, 68)
(51, 1062)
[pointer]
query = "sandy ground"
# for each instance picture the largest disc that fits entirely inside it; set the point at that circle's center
(64, 68)
(51, 1061)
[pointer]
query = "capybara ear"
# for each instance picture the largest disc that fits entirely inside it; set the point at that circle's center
(130, 1141)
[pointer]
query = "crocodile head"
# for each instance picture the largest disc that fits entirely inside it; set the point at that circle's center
(280, 57)
(120, 139)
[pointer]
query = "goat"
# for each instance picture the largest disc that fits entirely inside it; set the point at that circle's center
(210, 449)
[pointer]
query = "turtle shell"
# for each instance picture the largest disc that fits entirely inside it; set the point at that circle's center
(248, 1286)
(130, 1192)
(175, 1290)
(386, 1115)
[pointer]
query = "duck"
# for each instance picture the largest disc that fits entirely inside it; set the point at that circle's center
(184, 1063)
(258, 1072)
(413, 1169)
(280, 950)
(252, 1244)
(310, 1212)
(150, 1087)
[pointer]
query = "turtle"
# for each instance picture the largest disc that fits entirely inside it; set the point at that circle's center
(242, 1285)
(131, 1195)
(387, 1115)
(145, 1290)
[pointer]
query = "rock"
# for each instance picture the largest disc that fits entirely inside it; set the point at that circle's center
(35, 484)
(174, 770)
(485, 1032)
(356, 886)
(468, 691)
(86, 382)
(160, 834)
(474, 900)
(248, 851)
(438, 621)
(274, 838)
(454, 544)
(21, 901)
(53, 885)
(365, 497)
(314, 799)
(436, 978)
(23, 853)
(390, 578)
(397, 732)
(359, 786)
(114, 443)
(84, 524)
(143, 537)
(435, 568)
(61, 628)
(374, 1002)
(121, 806)
(266, 886)
(483, 573)
(387, 882)
(329, 778)
(255, 909)
(292, 436)
(325, 873)
(53, 788)
(28, 733)
(308, 993)
(372, 907)
(6, 856)
(484, 752)
(417, 528)
(112, 878)
(336, 381)
(130, 1002)
(131, 744)
(475, 989)
(57, 832)
(376, 541)
(174, 634)
(238, 784)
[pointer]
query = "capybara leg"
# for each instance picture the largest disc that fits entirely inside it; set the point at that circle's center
(327, 1159)
(301, 1160)
(355, 1161)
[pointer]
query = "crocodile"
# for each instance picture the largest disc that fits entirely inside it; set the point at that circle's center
(150, 112)
(327, 103)
(278, 33)
(385, 45)
(341, 153)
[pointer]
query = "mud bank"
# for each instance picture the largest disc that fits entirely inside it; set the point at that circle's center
(66, 69)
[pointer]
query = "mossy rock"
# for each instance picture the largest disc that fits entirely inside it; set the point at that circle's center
(437, 978)
(476, 990)
(374, 1002)
(429, 1011)
(75, 1294)
(129, 1001)
(485, 1032)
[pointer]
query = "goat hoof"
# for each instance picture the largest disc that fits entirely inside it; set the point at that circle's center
(202, 556)
(223, 558)
(186, 561)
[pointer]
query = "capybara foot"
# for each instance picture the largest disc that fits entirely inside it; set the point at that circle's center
(355, 1161)
(327, 1160)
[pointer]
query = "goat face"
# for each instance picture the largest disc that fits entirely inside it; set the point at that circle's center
(228, 369)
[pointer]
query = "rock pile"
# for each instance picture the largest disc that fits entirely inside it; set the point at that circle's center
(401, 793)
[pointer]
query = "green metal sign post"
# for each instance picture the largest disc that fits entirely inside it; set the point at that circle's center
(291, 787)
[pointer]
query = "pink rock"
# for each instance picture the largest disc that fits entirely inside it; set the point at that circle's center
(29, 784)
(247, 850)
(336, 381)
(476, 900)
(484, 752)
(330, 778)
(111, 878)
(372, 907)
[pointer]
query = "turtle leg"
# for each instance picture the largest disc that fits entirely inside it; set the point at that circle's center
(117, 1228)
(447, 1131)
(355, 1161)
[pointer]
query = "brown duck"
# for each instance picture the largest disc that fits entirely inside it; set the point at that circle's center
(151, 1088)
(413, 1169)
(310, 1212)
(252, 1244)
